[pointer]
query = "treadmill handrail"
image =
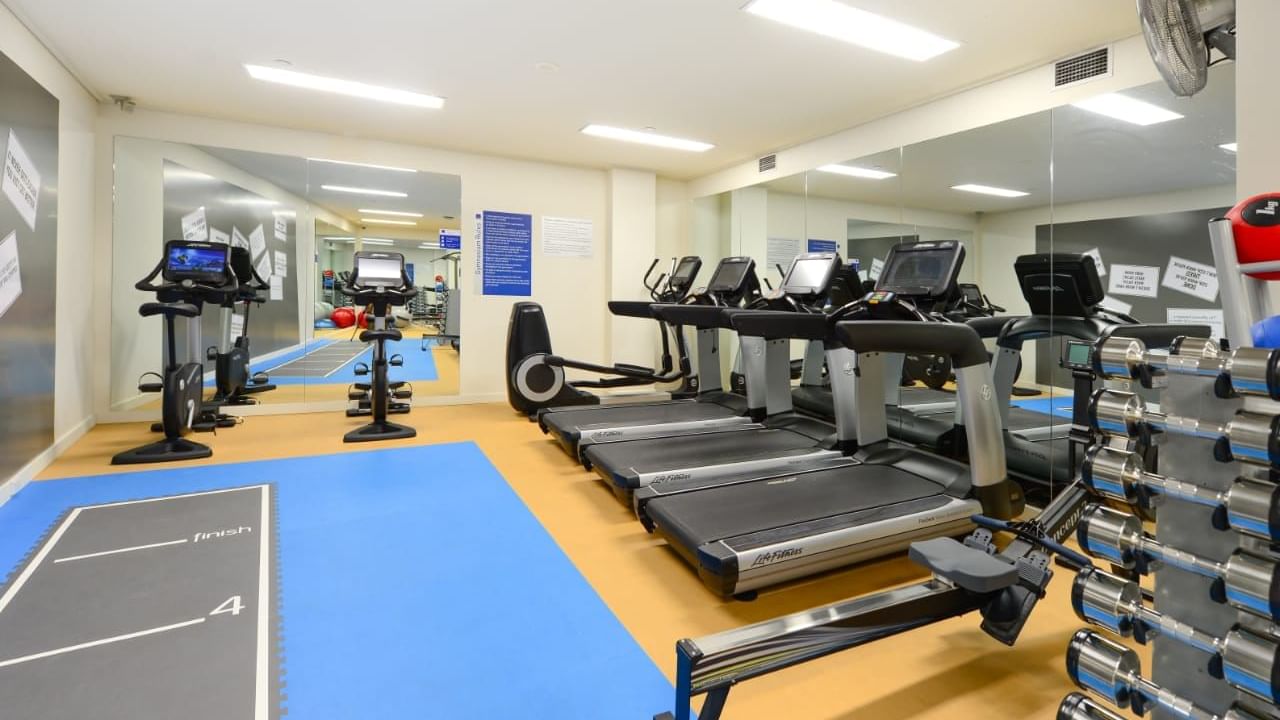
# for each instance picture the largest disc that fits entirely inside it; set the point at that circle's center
(1035, 327)
(779, 325)
(961, 342)
(698, 316)
(990, 327)
(632, 308)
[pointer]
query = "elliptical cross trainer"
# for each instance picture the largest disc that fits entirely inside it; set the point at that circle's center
(379, 280)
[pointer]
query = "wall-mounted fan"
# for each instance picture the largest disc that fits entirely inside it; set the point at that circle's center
(1180, 33)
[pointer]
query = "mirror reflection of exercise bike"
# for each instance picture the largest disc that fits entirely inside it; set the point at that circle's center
(380, 281)
(190, 273)
(235, 380)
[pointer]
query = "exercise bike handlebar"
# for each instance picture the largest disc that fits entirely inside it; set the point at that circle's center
(148, 284)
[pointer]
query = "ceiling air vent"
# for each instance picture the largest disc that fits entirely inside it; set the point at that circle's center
(768, 162)
(1082, 68)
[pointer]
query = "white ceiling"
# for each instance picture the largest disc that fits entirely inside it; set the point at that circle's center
(436, 196)
(1093, 157)
(701, 69)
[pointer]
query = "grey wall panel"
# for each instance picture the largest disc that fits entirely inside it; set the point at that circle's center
(27, 329)
(274, 324)
(1139, 240)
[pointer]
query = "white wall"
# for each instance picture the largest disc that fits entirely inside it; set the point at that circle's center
(633, 233)
(73, 379)
(572, 291)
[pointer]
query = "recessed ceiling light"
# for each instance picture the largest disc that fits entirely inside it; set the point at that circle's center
(859, 27)
(373, 241)
(1229, 147)
(338, 237)
(646, 138)
(364, 165)
(343, 87)
(380, 221)
(1123, 107)
(364, 191)
(988, 190)
(858, 172)
(396, 213)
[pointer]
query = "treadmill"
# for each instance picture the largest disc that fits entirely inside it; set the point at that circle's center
(712, 409)
(748, 535)
(784, 441)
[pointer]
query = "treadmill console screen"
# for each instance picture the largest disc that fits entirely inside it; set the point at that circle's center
(731, 273)
(922, 269)
(196, 261)
(1078, 355)
(811, 274)
(379, 269)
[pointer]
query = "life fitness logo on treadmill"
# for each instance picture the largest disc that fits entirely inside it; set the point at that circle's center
(985, 392)
(774, 556)
(849, 368)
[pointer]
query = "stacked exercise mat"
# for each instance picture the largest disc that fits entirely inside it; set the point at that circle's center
(1210, 620)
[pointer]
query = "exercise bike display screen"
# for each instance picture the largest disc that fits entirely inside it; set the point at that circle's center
(685, 271)
(385, 270)
(199, 262)
(810, 275)
(729, 275)
(920, 272)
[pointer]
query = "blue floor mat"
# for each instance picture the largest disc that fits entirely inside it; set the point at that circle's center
(1060, 406)
(419, 364)
(413, 583)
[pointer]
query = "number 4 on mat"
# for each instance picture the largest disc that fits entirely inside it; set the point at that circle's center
(232, 605)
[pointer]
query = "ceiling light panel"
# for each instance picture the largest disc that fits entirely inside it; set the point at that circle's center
(858, 172)
(343, 87)
(364, 191)
(646, 138)
(989, 190)
(395, 213)
(363, 165)
(858, 27)
(1127, 109)
(381, 221)
(1229, 147)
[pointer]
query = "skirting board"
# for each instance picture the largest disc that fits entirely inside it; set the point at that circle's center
(10, 486)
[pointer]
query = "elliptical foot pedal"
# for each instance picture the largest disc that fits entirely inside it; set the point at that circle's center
(361, 369)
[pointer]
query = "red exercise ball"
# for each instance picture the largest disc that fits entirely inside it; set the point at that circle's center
(343, 317)
(1256, 226)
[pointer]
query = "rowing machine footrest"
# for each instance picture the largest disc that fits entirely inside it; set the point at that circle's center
(969, 568)
(362, 369)
(396, 360)
(150, 387)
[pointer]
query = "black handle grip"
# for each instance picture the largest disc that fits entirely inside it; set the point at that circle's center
(699, 316)
(960, 342)
(777, 325)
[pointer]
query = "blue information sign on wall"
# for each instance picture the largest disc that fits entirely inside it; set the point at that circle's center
(823, 246)
(450, 239)
(507, 244)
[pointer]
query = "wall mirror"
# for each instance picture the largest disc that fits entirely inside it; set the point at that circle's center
(296, 223)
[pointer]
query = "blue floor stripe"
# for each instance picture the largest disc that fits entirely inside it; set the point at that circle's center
(278, 360)
(1060, 406)
(415, 583)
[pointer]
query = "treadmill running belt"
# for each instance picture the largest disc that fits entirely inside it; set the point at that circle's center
(627, 458)
(697, 518)
(568, 422)
(922, 395)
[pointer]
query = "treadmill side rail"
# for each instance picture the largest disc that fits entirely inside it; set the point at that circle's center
(604, 433)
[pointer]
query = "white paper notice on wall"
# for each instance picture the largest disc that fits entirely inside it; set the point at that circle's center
(1134, 280)
(194, 227)
(257, 241)
(237, 238)
(781, 251)
(263, 267)
(1192, 278)
(282, 229)
(282, 264)
(567, 237)
(1119, 306)
(21, 182)
(217, 236)
(277, 287)
(1096, 254)
(237, 325)
(10, 272)
(877, 267)
(1198, 316)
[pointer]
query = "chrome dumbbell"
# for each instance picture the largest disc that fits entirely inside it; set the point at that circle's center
(1249, 506)
(1247, 661)
(1114, 672)
(1246, 582)
(1247, 437)
(1244, 371)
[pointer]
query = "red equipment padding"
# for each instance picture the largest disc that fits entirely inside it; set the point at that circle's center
(1256, 225)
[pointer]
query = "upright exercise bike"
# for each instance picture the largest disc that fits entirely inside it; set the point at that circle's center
(236, 382)
(380, 280)
(188, 269)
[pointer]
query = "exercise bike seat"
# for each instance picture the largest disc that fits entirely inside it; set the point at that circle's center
(970, 568)
(390, 334)
(168, 309)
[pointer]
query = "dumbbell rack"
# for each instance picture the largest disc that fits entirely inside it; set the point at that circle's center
(1199, 395)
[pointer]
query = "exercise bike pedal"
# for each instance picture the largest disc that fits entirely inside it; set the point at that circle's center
(396, 361)
(363, 386)
(396, 385)
(364, 412)
(259, 379)
(402, 394)
(157, 427)
(397, 408)
(354, 395)
(362, 369)
(151, 387)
